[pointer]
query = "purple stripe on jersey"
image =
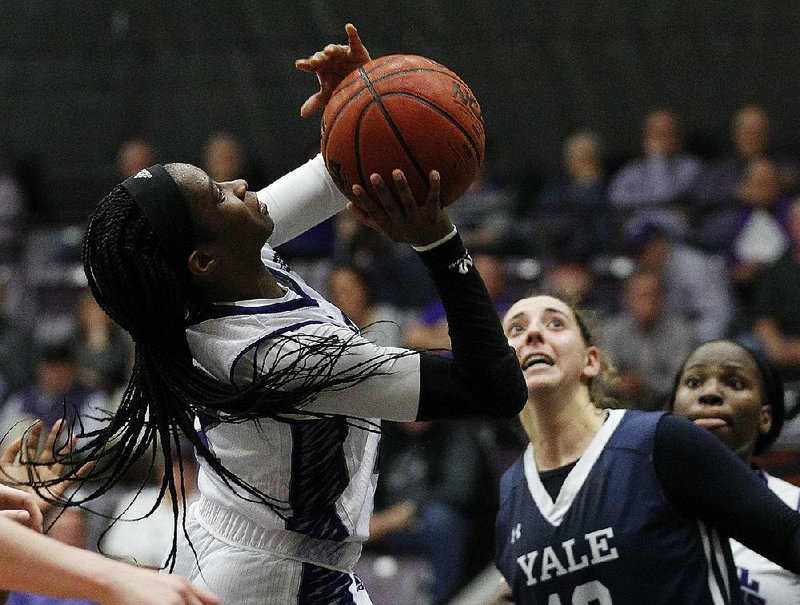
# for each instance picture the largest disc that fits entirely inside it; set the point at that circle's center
(273, 334)
(321, 585)
(319, 477)
(288, 280)
(219, 311)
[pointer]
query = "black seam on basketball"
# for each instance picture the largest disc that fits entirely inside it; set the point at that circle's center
(397, 134)
(357, 131)
(335, 117)
(357, 143)
(364, 76)
(445, 114)
(400, 72)
(409, 70)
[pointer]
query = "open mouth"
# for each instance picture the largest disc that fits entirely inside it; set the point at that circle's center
(537, 359)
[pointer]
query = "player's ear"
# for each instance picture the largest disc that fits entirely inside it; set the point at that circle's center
(592, 365)
(765, 419)
(201, 263)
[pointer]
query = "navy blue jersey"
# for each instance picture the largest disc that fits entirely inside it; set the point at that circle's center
(610, 536)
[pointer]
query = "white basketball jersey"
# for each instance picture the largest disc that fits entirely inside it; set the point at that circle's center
(762, 581)
(322, 469)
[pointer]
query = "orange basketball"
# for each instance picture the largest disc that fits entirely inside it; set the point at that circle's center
(407, 112)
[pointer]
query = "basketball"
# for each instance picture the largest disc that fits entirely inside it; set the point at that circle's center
(406, 112)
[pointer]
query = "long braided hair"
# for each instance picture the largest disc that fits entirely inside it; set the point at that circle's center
(136, 286)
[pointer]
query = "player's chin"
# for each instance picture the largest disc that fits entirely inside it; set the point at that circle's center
(539, 383)
(269, 228)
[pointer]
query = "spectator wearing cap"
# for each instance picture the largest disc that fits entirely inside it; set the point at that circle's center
(56, 391)
(696, 284)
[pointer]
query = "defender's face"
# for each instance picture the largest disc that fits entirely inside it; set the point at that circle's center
(720, 389)
(550, 347)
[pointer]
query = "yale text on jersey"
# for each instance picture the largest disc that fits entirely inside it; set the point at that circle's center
(570, 556)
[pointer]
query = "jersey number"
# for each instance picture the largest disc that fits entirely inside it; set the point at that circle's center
(590, 593)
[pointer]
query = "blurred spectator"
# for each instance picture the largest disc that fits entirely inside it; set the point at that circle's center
(70, 528)
(226, 159)
(760, 236)
(13, 212)
(572, 212)
(715, 192)
(573, 279)
(657, 185)
(777, 321)
(57, 390)
(102, 350)
(428, 330)
(134, 155)
(351, 291)
(646, 344)
(145, 537)
(398, 276)
(17, 359)
(696, 284)
(484, 215)
(435, 496)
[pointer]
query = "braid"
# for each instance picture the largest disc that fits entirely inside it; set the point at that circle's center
(131, 280)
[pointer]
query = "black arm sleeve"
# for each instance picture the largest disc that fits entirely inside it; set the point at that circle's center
(483, 377)
(704, 479)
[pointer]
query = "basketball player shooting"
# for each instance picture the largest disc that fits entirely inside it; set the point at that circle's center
(274, 387)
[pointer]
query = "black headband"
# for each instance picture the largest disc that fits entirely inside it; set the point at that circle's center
(164, 205)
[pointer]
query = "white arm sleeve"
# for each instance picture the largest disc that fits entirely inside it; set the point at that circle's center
(300, 200)
(390, 393)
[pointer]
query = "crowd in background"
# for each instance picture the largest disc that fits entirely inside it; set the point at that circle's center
(670, 249)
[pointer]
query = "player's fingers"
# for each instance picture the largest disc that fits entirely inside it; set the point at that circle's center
(407, 203)
(312, 63)
(357, 47)
(353, 39)
(19, 516)
(31, 441)
(352, 33)
(27, 512)
(367, 204)
(434, 201)
(204, 596)
(362, 216)
(304, 65)
(11, 453)
(84, 469)
(366, 209)
(52, 436)
(388, 209)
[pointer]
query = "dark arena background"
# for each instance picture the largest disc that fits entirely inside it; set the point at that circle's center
(77, 78)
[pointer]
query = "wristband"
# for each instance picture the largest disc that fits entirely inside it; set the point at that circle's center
(438, 242)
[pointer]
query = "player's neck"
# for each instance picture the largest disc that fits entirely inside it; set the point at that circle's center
(560, 435)
(244, 286)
